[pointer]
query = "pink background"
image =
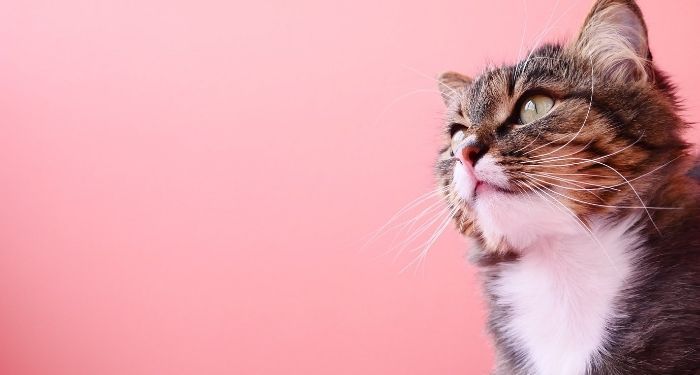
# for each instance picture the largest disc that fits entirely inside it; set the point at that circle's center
(185, 187)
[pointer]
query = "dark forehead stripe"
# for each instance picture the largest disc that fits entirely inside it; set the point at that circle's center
(486, 92)
(510, 76)
(476, 107)
(546, 64)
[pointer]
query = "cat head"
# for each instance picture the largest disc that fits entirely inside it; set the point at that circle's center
(575, 131)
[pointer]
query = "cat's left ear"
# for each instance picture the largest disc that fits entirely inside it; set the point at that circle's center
(614, 37)
(452, 85)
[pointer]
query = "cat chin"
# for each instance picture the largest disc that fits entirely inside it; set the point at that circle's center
(505, 218)
(520, 220)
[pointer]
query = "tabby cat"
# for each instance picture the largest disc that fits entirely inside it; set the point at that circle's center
(569, 174)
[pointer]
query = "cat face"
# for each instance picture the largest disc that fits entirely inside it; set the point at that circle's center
(575, 131)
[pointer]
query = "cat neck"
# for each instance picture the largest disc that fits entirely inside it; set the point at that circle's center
(560, 292)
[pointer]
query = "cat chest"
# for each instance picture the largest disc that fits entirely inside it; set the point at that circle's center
(561, 301)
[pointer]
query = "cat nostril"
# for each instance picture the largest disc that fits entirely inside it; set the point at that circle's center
(472, 154)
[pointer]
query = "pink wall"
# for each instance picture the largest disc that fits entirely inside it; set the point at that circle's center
(185, 187)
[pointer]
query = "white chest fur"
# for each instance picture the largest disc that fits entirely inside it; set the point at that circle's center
(561, 294)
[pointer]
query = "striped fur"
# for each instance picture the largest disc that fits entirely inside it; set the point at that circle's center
(610, 148)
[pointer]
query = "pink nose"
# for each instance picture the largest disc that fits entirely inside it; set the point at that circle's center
(469, 155)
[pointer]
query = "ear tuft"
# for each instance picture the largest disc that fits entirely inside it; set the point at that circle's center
(614, 38)
(451, 85)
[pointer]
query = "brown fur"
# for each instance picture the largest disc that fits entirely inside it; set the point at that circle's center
(632, 128)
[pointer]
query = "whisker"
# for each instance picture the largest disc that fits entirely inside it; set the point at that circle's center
(411, 222)
(539, 132)
(417, 201)
(585, 227)
(536, 157)
(407, 227)
(547, 164)
(522, 35)
(577, 174)
(546, 31)
(399, 250)
(574, 182)
(619, 184)
(544, 195)
(541, 34)
(402, 246)
(545, 145)
(609, 206)
(398, 99)
(648, 173)
(428, 244)
(631, 187)
(564, 187)
(414, 70)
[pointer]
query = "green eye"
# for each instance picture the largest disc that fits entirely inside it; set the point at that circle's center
(534, 108)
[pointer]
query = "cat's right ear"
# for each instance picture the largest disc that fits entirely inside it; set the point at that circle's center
(451, 85)
(614, 38)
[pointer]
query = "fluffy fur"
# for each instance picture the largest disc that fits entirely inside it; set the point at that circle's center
(583, 222)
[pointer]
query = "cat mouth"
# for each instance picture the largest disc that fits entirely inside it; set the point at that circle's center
(482, 187)
(486, 181)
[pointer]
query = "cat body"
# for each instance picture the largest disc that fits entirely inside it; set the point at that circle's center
(570, 177)
(564, 307)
